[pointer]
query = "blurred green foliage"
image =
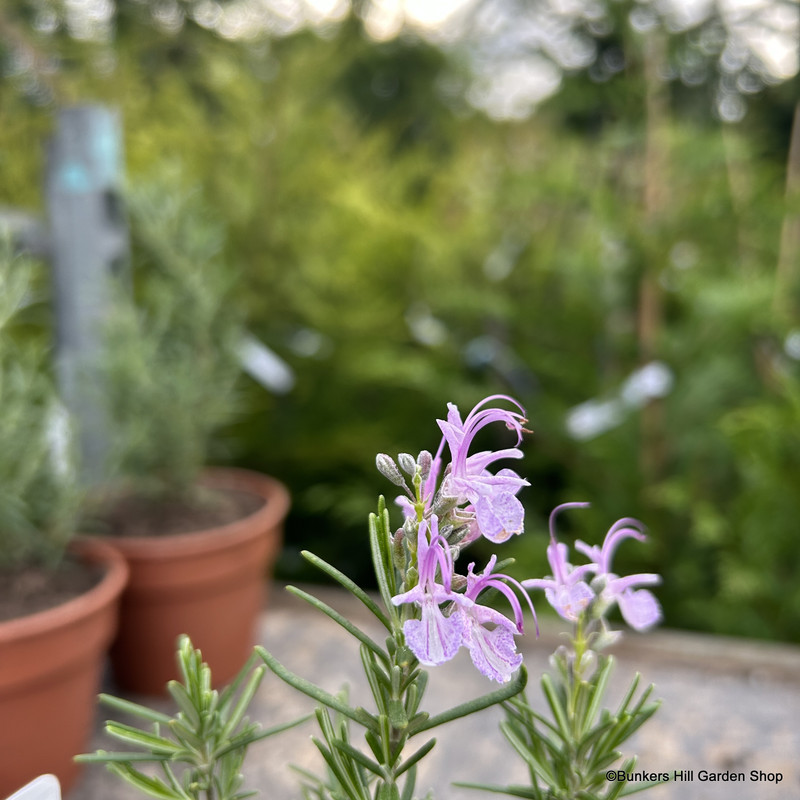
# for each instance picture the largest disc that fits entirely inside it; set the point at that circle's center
(400, 250)
(39, 496)
(171, 369)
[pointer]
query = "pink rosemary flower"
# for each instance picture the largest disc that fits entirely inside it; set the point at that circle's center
(492, 649)
(571, 592)
(639, 607)
(566, 589)
(434, 638)
(491, 498)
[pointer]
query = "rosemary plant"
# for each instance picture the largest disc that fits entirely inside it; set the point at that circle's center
(397, 683)
(200, 750)
(428, 611)
(39, 493)
(575, 754)
(172, 370)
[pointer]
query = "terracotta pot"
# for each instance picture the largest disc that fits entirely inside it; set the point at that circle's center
(209, 584)
(50, 669)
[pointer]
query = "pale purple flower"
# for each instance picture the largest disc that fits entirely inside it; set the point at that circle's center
(566, 590)
(492, 649)
(498, 514)
(639, 607)
(570, 592)
(433, 638)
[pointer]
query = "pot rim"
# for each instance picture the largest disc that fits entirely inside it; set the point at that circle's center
(106, 591)
(267, 517)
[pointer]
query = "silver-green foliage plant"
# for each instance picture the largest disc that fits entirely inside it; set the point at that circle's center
(172, 367)
(39, 495)
(201, 748)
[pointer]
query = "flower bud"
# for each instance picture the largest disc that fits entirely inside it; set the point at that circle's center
(587, 665)
(407, 463)
(399, 550)
(458, 582)
(424, 462)
(606, 638)
(561, 660)
(442, 504)
(456, 535)
(388, 469)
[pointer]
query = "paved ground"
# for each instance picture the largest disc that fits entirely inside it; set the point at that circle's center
(727, 705)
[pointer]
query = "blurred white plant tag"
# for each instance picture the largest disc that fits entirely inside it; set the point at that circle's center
(264, 366)
(58, 435)
(45, 787)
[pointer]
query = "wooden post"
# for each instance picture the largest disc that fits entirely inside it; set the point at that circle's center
(89, 248)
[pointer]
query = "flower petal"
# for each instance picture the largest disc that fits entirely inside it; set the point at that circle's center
(499, 516)
(494, 653)
(435, 638)
(639, 609)
(570, 601)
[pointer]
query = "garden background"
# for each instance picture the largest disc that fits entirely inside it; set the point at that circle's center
(591, 206)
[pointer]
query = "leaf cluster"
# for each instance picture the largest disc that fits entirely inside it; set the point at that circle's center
(200, 750)
(568, 754)
(39, 494)
(171, 358)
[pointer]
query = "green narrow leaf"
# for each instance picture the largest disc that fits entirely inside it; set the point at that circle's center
(385, 735)
(154, 787)
(228, 692)
(375, 745)
(636, 722)
(185, 735)
(538, 765)
(598, 693)
(126, 733)
(397, 714)
(513, 791)
(340, 620)
(359, 757)
(387, 791)
(339, 773)
(411, 782)
(372, 679)
(616, 788)
(174, 782)
(551, 695)
(470, 707)
(256, 735)
(184, 703)
(103, 757)
(420, 684)
(243, 702)
(316, 693)
(412, 760)
(350, 585)
(380, 574)
(628, 695)
(127, 707)
(645, 694)
(386, 541)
